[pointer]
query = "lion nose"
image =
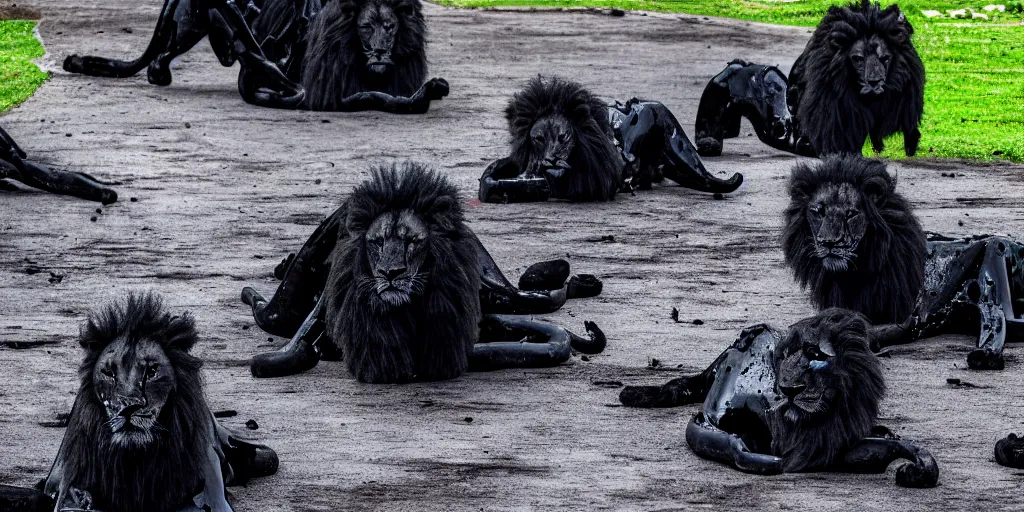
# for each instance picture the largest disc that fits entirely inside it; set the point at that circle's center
(792, 391)
(391, 273)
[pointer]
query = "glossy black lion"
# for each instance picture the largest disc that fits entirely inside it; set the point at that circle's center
(802, 400)
(568, 144)
(337, 55)
(395, 283)
(140, 435)
(859, 77)
(854, 242)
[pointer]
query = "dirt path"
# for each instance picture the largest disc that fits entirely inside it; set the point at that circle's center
(224, 190)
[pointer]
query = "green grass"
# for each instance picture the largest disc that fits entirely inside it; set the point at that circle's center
(974, 97)
(19, 77)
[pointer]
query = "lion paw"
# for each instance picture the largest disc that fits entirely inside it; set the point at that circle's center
(911, 475)
(436, 88)
(709, 146)
(982, 359)
(74, 64)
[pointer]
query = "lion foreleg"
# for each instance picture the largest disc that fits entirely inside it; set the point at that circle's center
(499, 296)
(517, 342)
(502, 182)
(873, 455)
(418, 103)
(713, 443)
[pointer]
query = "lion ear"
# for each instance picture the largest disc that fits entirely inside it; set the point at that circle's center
(841, 35)
(877, 188)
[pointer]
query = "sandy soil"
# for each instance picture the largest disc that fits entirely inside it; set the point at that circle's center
(225, 189)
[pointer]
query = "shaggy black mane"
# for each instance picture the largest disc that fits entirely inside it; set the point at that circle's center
(827, 105)
(167, 474)
(431, 337)
(596, 166)
(888, 272)
(334, 66)
(813, 443)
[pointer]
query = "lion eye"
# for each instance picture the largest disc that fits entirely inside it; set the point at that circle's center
(538, 138)
(814, 354)
(564, 137)
(815, 209)
(108, 372)
(151, 371)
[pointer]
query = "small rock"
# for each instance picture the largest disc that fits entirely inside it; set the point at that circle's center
(252, 425)
(56, 278)
(698, 321)
(718, 196)
(325, 121)
(467, 419)
(584, 358)
(318, 181)
(653, 363)
(188, 125)
(960, 222)
(67, 134)
(225, 414)
(931, 14)
(133, 199)
(127, 30)
(675, 315)
(99, 210)
(32, 270)
(93, 218)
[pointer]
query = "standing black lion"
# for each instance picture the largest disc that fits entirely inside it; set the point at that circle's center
(348, 55)
(802, 400)
(859, 77)
(140, 436)
(854, 241)
(568, 144)
(397, 284)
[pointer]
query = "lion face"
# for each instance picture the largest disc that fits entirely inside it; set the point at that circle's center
(838, 224)
(551, 142)
(133, 382)
(380, 27)
(870, 59)
(396, 250)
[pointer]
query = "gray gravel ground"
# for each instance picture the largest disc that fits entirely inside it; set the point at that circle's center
(225, 190)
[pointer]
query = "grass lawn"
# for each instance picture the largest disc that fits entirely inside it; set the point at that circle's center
(974, 98)
(19, 77)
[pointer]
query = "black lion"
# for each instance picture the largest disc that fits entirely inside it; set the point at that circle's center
(568, 144)
(348, 55)
(859, 77)
(397, 284)
(855, 243)
(140, 435)
(805, 400)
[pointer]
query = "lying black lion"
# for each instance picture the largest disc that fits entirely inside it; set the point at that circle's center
(13, 166)
(348, 55)
(564, 146)
(859, 77)
(806, 400)
(140, 436)
(397, 281)
(854, 241)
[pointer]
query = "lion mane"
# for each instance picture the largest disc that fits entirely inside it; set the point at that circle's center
(168, 473)
(810, 443)
(888, 271)
(595, 164)
(334, 65)
(431, 337)
(826, 104)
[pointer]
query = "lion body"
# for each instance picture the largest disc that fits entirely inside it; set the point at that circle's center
(329, 60)
(165, 475)
(887, 272)
(595, 165)
(431, 337)
(808, 442)
(829, 109)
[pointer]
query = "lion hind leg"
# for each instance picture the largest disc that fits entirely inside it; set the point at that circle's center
(113, 68)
